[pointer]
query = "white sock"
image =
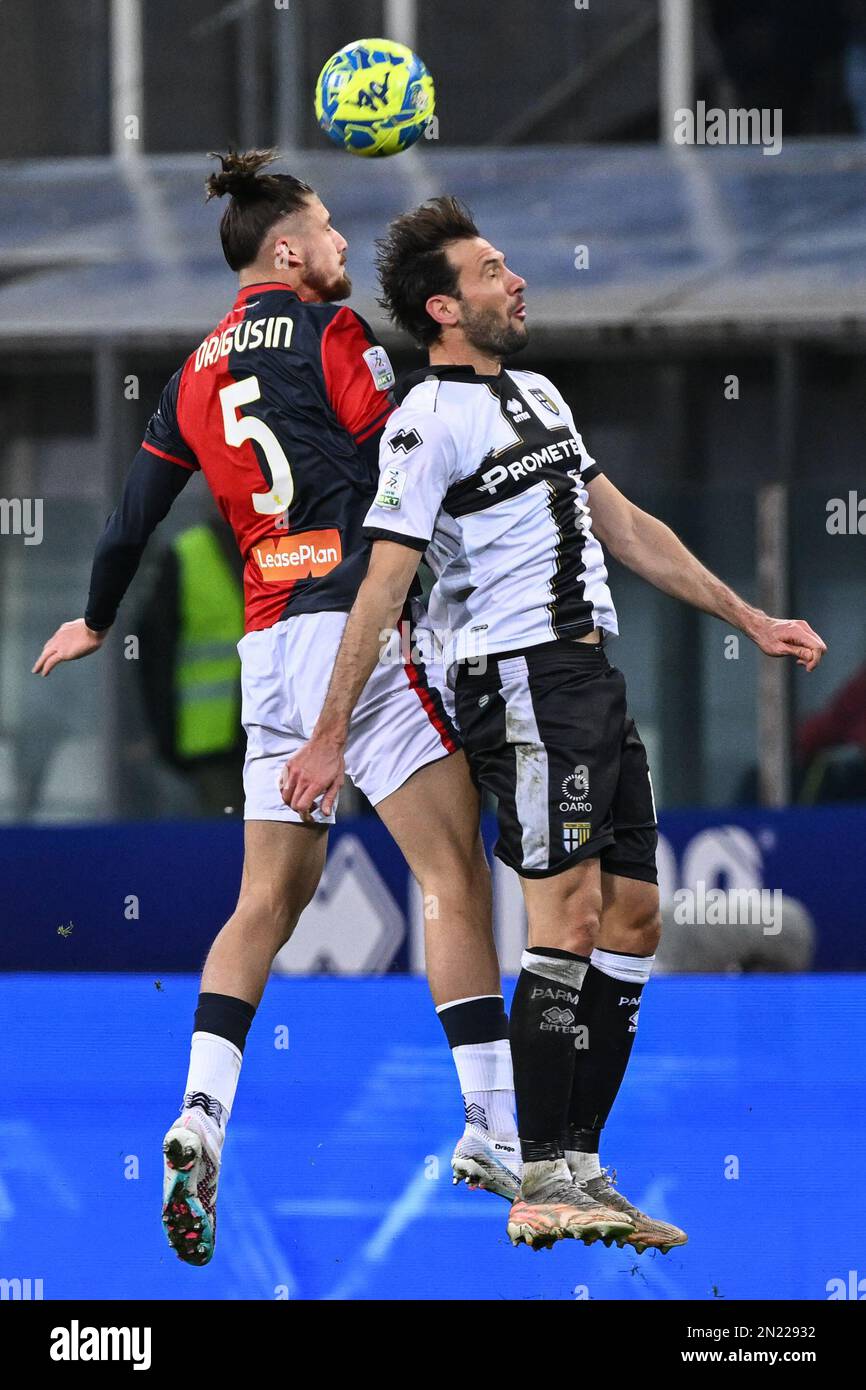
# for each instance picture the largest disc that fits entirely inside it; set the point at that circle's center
(538, 1178)
(493, 1111)
(487, 1083)
(582, 1166)
(214, 1068)
(631, 970)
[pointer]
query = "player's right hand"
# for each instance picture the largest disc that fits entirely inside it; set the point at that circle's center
(790, 637)
(315, 771)
(71, 641)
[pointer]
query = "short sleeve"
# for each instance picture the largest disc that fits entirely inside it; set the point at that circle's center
(358, 375)
(163, 435)
(589, 469)
(417, 458)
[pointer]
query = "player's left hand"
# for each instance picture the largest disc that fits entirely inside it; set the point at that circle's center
(316, 770)
(70, 642)
(790, 637)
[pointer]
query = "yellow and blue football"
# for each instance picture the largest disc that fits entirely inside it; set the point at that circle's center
(374, 98)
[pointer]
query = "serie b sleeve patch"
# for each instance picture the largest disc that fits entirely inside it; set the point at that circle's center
(380, 367)
(392, 483)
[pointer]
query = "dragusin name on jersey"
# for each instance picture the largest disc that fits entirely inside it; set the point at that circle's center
(273, 332)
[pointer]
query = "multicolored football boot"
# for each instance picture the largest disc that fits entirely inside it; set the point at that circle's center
(191, 1150)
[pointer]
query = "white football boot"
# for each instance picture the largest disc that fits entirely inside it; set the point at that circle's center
(486, 1161)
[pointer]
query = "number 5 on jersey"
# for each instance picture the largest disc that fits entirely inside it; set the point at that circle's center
(239, 428)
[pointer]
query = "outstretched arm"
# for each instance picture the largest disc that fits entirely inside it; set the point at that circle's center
(651, 549)
(151, 488)
(317, 768)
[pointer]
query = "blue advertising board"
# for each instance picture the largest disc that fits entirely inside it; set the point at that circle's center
(336, 1181)
(151, 896)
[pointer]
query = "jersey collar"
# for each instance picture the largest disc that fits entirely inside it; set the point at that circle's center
(449, 373)
(244, 294)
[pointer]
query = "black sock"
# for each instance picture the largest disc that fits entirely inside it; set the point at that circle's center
(608, 1011)
(542, 1029)
(474, 1020)
(224, 1016)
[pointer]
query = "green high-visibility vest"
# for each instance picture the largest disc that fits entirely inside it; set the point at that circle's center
(211, 604)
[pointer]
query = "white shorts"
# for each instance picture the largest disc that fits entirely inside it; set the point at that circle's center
(398, 726)
(426, 645)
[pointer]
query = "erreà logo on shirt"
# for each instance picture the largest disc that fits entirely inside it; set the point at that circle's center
(305, 555)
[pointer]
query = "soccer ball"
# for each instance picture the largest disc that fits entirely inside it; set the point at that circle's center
(374, 97)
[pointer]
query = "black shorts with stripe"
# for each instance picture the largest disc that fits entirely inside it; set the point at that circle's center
(547, 732)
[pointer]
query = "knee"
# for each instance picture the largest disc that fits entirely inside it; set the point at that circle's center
(266, 916)
(651, 933)
(463, 877)
(579, 935)
(644, 930)
(575, 928)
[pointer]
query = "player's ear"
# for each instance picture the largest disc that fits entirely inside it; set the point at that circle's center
(442, 310)
(285, 255)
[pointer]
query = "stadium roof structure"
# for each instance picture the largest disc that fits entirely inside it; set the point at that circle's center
(693, 243)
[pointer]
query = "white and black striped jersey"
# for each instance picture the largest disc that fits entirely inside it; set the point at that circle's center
(487, 475)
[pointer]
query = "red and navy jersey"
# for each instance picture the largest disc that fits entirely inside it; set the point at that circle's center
(282, 407)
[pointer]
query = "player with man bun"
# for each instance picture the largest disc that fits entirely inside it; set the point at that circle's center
(282, 407)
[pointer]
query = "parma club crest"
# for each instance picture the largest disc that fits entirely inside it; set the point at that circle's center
(545, 400)
(575, 833)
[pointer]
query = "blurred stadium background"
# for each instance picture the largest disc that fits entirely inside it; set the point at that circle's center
(704, 310)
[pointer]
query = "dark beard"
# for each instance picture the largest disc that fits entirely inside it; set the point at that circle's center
(332, 290)
(486, 332)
